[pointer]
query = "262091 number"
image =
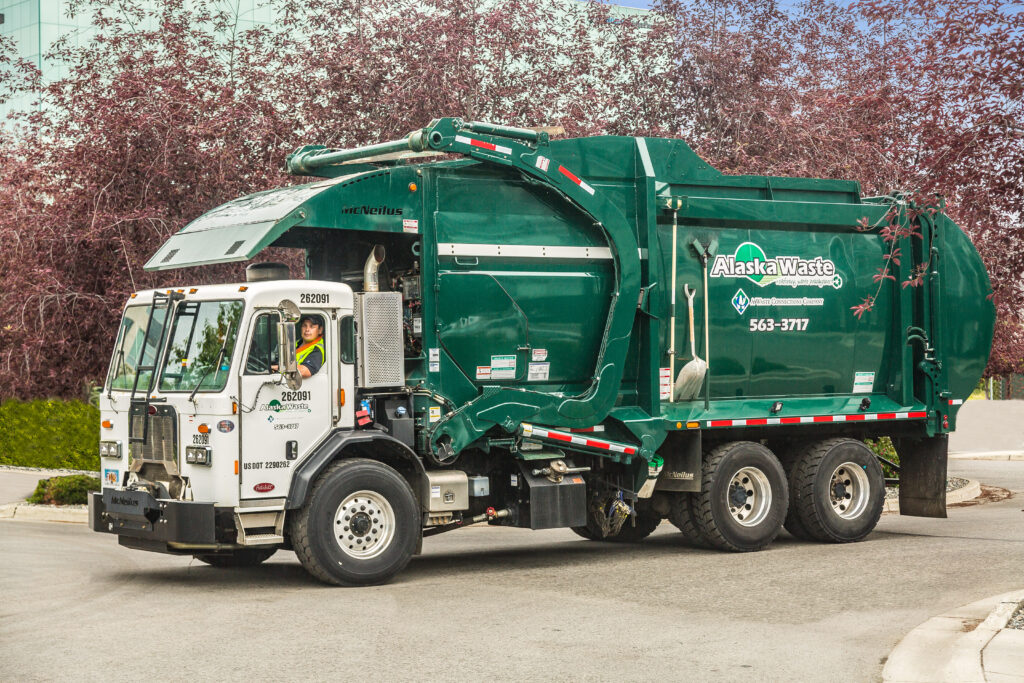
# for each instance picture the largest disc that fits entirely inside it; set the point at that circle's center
(314, 298)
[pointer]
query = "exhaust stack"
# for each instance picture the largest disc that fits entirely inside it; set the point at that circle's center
(376, 257)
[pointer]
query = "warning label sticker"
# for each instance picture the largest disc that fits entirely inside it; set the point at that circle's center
(412, 226)
(435, 413)
(503, 367)
(539, 354)
(863, 382)
(483, 372)
(538, 372)
(665, 383)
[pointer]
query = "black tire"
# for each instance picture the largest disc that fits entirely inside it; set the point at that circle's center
(318, 528)
(646, 522)
(812, 492)
(243, 557)
(642, 525)
(789, 458)
(681, 516)
(766, 501)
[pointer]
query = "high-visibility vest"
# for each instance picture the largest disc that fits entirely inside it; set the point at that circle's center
(303, 351)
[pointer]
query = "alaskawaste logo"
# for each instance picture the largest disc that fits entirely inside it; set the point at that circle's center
(749, 261)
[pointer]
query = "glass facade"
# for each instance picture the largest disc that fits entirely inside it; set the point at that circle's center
(36, 24)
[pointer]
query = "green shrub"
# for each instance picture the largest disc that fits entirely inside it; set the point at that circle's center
(70, 490)
(883, 447)
(50, 433)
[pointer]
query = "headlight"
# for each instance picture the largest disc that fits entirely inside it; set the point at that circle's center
(110, 449)
(198, 455)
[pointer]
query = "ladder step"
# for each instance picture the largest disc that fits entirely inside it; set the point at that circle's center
(263, 539)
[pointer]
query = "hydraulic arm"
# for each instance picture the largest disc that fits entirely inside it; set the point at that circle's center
(527, 151)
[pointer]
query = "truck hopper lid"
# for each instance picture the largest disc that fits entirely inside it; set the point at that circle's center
(240, 229)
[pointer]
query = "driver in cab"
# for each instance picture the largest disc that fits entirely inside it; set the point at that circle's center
(310, 353)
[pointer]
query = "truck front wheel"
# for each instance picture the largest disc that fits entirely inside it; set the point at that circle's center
(743, 498)
(359, 526)
(837, 489)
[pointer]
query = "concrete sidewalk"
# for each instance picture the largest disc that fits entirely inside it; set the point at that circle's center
(990, 428)
(17, 484)
(986, 455)
(967, 644)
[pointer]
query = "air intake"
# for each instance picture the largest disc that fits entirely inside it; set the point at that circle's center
(261, 272)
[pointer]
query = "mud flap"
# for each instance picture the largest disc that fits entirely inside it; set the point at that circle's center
(923, 475)
(682, 454)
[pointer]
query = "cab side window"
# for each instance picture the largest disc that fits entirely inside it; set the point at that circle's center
(263, 348)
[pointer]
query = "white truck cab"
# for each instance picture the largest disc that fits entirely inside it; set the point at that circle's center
(206, 419)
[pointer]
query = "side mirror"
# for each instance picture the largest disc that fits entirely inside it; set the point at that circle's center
(288, 365)
(289, 311)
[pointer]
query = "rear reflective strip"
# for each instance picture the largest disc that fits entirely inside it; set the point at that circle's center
(534, 432)
(855, 417)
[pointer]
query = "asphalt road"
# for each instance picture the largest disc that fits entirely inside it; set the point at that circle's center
(505, 604)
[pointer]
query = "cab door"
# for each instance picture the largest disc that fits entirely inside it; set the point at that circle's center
(280, 426)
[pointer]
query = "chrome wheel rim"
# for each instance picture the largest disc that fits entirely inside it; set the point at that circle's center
(849, 490)
(364, 525)
(749, 496)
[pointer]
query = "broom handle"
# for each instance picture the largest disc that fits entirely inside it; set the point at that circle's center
(672, 324)
(693, 343)
(707, 337)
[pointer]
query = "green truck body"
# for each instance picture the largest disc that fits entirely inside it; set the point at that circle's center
(523, 266)
(545, 316)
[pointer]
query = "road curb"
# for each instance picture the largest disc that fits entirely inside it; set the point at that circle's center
(24, 512)
(987, 455)
(969, 491)
(956, 646)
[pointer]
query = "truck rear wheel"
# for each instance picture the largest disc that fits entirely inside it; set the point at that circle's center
(360, 524)
(243, 557)
(743, 498)
(837, 491)
(788, 454)
(681, 516)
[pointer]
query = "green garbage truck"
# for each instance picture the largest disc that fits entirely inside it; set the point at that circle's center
(498, 327)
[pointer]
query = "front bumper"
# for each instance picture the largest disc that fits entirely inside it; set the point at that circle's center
(132, 514)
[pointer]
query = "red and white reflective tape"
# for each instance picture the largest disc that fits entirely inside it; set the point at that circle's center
(583, 430)
(956, 401)
(483, 145)
(858, 417)
(573, 177)
(534, 432)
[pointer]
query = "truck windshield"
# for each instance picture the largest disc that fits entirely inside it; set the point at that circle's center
(128, 353)
(200, 332)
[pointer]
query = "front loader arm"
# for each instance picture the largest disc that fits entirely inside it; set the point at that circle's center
(528, 152)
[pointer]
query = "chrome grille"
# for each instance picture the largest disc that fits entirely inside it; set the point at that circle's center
(161, 439)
